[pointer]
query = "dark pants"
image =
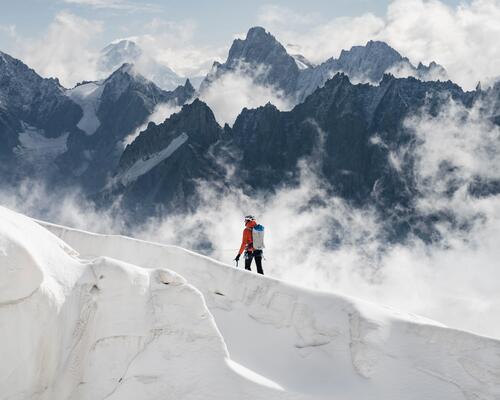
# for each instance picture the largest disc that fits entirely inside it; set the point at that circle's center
(249, 256)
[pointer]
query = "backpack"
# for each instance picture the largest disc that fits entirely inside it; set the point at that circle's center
(258, 237)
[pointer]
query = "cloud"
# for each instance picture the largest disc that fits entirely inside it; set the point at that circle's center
(172, 43)
(161, 112)
(9, 30)
(64, 51)
(461, 38)
(237, 89)
(168, 52)
(116, 5)
(315, 38)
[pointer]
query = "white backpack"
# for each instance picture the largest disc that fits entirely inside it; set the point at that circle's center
(258, 237)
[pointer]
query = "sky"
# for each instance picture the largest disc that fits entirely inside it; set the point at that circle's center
(216, 21)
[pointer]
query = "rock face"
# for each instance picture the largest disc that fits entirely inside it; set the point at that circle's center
(27, 99)
(259, 49)
(264, 59)
(37, 101)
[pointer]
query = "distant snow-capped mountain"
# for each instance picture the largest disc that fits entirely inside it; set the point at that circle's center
(267, 62)
(128, 51)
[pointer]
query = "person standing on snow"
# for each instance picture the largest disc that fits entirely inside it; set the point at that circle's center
(252, 244)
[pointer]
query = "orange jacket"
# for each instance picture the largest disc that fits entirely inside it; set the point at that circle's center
(246, 243)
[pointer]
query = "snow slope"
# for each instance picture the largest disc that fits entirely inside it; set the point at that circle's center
(99, 328)
(142, 166)
(87, 96)
(86, 316)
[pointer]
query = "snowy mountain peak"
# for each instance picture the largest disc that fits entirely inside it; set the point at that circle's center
(128, 51)
(118, 53)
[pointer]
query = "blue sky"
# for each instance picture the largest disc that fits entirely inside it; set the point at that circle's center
(215, 21)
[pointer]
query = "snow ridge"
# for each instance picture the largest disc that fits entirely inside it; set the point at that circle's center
(117, 318)
(320, 345)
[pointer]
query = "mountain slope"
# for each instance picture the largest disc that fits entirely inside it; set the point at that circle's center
(131, 328)
(114, 108)
(162, 166)
(32, 110)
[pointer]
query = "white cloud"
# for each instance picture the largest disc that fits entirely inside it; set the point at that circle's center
(172, 43)
(64, 50)
(461, 38)
(315, 38)
(67, 49)
(235, 90)
(9, 30)
(115, 5)
(161, 112)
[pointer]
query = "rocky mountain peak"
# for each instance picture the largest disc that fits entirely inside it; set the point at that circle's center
(259, 47)
(188, 85)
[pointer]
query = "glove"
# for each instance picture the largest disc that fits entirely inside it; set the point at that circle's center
(237, 258)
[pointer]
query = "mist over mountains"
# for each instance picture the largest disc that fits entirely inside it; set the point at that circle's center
(347, 117)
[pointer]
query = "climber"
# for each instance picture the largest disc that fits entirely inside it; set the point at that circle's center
(252, 244)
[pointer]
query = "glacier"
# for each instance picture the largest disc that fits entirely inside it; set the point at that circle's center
(92, 316)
